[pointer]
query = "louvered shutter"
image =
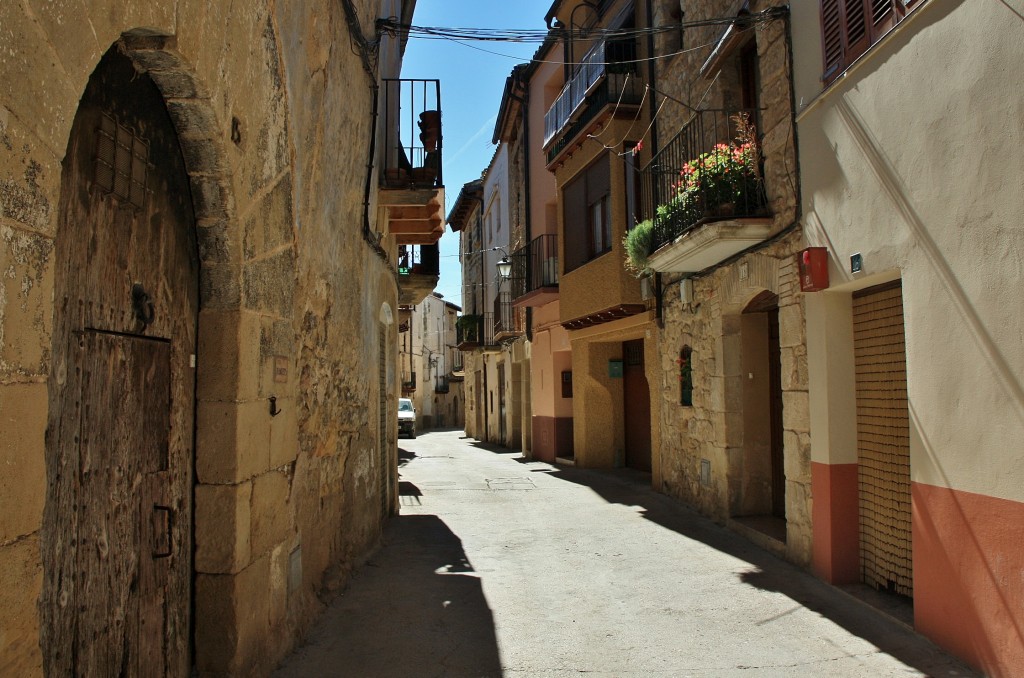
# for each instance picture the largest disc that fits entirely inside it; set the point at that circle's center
(831, 38)
(849, 27)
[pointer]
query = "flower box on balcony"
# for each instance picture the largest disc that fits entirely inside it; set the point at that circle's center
(716, 204)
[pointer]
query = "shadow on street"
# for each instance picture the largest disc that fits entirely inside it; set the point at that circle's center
(430, 616)
(767, 572)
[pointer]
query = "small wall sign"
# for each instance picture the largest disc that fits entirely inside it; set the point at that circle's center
(280, 369)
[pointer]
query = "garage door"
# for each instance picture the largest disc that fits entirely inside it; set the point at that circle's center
(883, 439)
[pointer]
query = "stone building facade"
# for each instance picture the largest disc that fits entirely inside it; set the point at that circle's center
(179, 236)
(428, 359)
(732, 379)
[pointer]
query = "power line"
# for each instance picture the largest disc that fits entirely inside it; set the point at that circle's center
(393, 27)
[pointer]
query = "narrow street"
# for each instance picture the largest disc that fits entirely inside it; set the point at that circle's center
(502, 567)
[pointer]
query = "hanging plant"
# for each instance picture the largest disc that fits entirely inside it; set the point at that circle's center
(637, 243)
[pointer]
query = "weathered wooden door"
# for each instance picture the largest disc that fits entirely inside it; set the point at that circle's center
(117, 530)
(637, 406)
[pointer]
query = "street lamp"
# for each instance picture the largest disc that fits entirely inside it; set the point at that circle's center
(504, 268)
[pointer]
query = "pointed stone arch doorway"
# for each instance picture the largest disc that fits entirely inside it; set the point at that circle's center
(143, 205)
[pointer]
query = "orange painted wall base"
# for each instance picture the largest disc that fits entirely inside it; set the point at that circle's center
(835, 555)
(969, 576)
(552, 437)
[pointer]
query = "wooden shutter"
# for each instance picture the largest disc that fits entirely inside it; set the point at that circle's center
(849, 27)
(574, 200)
(831, 38)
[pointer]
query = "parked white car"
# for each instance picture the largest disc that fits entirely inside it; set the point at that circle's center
(406, 417)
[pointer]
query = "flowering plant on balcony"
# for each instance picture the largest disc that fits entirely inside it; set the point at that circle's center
(724, 176)
(723, 182)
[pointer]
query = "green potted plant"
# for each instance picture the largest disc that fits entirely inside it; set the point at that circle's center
(637, 244)
(468, 328)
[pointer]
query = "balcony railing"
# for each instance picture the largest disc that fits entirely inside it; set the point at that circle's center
(469, 331)
(507, 319)
(419, 260)
(696, 177)
(489, 340)
(474, 331)
(412, 110)
(408, 382)
(535, 265)
(607, 64)
(441, 385)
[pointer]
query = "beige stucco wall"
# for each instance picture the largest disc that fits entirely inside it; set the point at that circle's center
(285, 273)
(598, 409)
(925, 186)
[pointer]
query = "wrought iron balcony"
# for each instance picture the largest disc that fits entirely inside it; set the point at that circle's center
(508, 322)
(469, 332)
(489, 343)
(474, 332)
(709, 173)
(418, 271)
(441, 385)
(413, 113)
(411, 179)
(408, 382)
(535, 272)
(605, 75)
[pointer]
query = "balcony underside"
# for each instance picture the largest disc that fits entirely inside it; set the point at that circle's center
(589, 122)
(538, 297)
(708, 244)
(414, 288)
(415, 216)
(604, 316)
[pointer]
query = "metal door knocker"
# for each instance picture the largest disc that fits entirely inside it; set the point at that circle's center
(143, 305)
(274, 409)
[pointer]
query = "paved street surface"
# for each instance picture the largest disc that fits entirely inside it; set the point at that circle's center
(502, 567)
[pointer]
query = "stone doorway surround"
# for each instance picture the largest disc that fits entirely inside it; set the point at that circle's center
(704, 450)
(229, 361)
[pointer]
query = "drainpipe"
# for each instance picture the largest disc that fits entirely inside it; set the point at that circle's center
(356, 33)
(527, 221)
(368, 187)
(650, 79)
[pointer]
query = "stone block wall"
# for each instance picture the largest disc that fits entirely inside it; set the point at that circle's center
(293, 303)
(712, 430)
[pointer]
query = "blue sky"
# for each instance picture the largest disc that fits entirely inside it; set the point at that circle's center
(472, 81)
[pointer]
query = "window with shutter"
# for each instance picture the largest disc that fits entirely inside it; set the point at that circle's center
(586, 215)
(850, 27)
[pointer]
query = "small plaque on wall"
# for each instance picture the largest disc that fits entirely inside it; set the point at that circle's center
(280, 369)
(615, 369)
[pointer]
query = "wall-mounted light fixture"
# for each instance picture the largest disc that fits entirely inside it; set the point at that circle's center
(504, 267)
